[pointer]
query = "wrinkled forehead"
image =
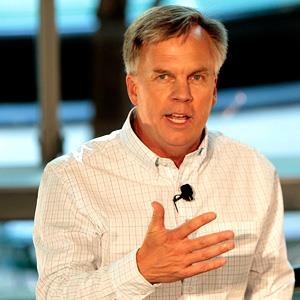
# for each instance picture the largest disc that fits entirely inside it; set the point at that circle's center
(196, 31)
(196, 41)
(195, 34)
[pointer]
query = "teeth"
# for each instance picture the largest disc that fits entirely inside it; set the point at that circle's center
(177, 118)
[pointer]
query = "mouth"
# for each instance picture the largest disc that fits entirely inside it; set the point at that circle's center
(178, 118)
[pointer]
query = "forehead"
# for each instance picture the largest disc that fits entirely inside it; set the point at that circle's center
(194, 48)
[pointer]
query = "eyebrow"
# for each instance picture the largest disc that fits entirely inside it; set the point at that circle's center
(200, 70)
(160, 71)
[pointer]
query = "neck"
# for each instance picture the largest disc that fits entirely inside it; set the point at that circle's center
(176, 154)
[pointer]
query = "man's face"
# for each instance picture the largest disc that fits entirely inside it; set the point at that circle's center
(174, 90)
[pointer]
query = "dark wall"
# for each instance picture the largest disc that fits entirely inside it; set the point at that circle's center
(17, 69)
(76, 67)
(262, 49)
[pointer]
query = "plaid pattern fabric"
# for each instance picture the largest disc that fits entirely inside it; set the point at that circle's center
(94, 207)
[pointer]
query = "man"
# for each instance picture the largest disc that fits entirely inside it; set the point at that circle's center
(95, 234)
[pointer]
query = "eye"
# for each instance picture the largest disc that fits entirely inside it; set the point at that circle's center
(162, 76)
(197, 77)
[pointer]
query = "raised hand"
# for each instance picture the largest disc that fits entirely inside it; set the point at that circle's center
(169, 255)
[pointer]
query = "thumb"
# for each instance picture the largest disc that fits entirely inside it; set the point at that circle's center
(158, 217)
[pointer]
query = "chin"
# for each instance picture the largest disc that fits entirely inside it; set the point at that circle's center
(186, 143)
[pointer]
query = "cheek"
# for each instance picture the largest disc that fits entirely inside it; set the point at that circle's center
(143, 92)
(149, 99)
(203, 104)
(146, 108)
(205, 95)
(205, 114)
(151, 91)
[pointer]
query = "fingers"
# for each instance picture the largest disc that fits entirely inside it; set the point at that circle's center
(209, 252)
(158, 217)
(165, 250)
(192, 225)
(205, 266)
(209, 240)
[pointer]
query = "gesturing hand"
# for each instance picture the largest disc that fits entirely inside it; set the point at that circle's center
(169, 255)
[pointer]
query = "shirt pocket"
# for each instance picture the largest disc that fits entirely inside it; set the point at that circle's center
(246, 236)
(234, 275)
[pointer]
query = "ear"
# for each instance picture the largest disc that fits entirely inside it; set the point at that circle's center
(132, 88)
(215, 93)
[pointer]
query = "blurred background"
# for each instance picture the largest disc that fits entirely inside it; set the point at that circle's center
(62, 83)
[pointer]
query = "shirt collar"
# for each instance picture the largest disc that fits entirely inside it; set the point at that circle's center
(131, 141)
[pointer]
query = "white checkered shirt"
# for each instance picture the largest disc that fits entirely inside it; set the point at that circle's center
(94, 207)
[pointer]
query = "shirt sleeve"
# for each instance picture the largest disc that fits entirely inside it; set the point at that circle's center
(68, 251)
(271, 276)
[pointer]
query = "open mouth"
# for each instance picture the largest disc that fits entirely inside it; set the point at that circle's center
(178, 118)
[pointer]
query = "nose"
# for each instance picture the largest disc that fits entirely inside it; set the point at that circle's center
(182, 91)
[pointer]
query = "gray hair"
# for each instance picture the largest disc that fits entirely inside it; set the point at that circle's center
(164, 22)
